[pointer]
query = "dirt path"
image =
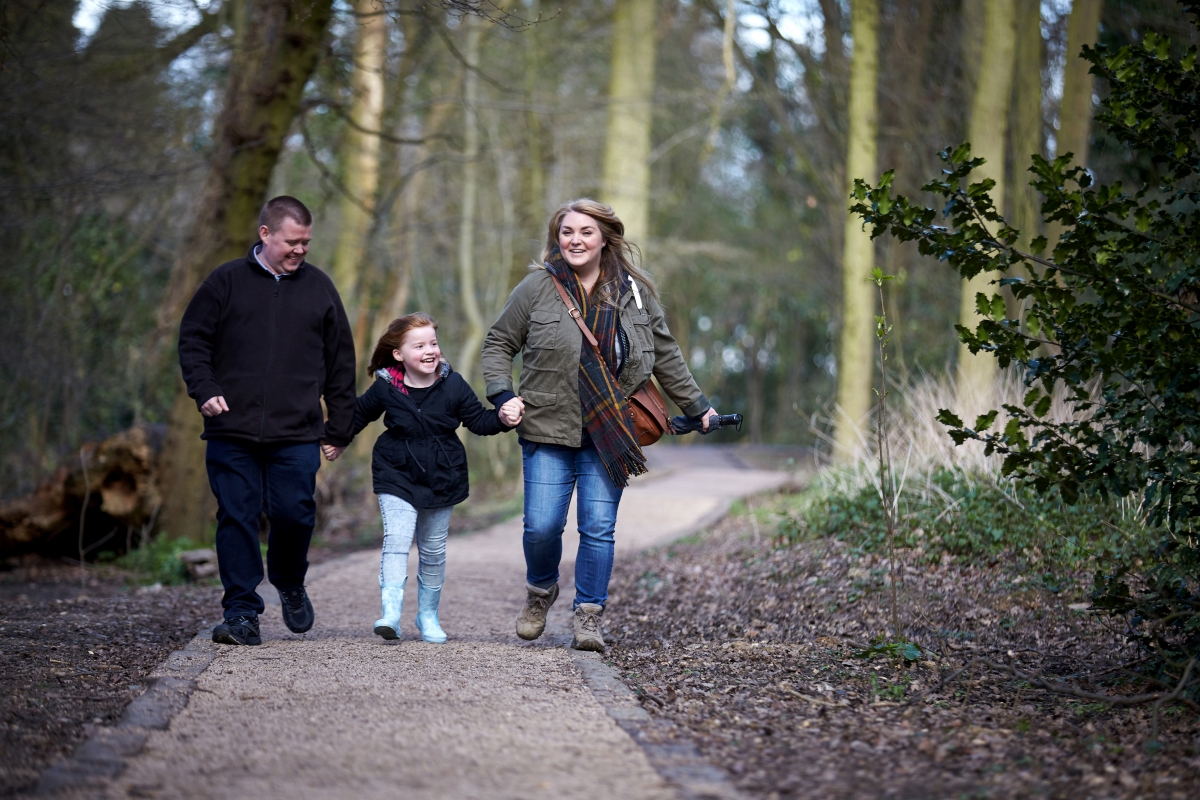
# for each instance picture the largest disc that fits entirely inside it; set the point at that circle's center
(339, 712)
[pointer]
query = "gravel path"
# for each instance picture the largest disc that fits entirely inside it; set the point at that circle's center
(339, 712)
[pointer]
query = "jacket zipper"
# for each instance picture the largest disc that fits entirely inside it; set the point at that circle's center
(422, 424)
(262, 425)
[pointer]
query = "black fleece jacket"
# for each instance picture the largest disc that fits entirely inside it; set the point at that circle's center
(272, 347)
(419, 458)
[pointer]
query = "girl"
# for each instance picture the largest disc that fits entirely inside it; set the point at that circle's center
(579, 436)
(418, 465)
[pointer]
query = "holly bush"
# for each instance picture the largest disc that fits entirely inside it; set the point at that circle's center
(1109, 317)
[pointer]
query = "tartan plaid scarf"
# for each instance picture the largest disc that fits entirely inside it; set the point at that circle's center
(606, 414)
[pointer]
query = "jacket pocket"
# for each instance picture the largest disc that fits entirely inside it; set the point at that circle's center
(543, 329)
(641, 337)
(391, 450)
(539, 399)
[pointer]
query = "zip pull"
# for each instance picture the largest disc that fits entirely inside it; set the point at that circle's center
(637, 296)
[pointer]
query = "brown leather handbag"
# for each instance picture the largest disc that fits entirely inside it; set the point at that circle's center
(649, 410)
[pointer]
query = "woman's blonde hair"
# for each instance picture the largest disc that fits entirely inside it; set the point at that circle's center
(619, 254)
(394, 337)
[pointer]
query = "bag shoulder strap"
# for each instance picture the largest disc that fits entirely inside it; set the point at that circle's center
(575, 313)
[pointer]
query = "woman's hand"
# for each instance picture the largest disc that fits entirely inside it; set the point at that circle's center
(512, 412)
(331, 452)
(712, 412)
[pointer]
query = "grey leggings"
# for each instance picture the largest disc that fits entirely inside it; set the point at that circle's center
(401, 525)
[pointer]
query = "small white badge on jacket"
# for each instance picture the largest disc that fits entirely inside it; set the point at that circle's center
(637, 296)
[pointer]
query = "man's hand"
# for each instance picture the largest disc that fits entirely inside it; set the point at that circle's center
(512, 412)
(712, 412)
(331, 451)
(214, 406)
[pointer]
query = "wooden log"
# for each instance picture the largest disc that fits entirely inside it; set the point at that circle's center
(116, 479)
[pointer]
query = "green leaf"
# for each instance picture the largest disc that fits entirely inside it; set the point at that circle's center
(947, 418)
(993, 308)
(1142, 220)
(984, 421)
(1042, 407)
(1038, 245)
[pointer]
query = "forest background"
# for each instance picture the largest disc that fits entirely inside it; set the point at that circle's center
(433, 139)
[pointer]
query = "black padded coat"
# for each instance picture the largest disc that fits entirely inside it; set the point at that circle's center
(419, 458)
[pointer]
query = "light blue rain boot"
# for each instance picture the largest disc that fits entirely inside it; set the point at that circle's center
(393, 601)
(427, 616)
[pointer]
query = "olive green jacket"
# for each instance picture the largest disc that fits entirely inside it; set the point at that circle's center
(535, 323)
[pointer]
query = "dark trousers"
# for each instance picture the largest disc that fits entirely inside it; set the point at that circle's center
(248, 480)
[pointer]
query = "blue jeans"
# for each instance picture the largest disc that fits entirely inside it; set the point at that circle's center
(552, 473)
(402, 524)
(250, 479)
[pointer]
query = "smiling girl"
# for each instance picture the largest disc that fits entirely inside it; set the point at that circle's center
(419, 466)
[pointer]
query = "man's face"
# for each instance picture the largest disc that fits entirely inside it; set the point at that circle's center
(285, 247)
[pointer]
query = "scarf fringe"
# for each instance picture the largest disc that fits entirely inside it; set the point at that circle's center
(624, 466)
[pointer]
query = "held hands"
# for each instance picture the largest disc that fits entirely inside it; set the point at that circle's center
(217, 405)
(214, 406)
(512, 412)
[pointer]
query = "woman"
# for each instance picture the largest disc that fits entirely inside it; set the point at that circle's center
(578, 431)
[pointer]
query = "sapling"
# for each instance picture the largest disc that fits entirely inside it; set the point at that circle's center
(887, 493)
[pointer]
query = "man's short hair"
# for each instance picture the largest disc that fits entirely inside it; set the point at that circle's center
(279, 208)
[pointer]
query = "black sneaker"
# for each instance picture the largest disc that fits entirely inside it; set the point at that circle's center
(239, 630)
(297, 609)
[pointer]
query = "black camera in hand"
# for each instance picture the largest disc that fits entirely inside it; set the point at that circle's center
(680, 425)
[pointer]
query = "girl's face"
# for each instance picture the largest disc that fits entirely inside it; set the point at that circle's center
(581, 242)
(419, 352)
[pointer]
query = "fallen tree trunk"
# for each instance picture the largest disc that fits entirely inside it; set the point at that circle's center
(103, 498)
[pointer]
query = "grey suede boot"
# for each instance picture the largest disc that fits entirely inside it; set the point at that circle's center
(393, 601)
(587, 628)
(531, 622)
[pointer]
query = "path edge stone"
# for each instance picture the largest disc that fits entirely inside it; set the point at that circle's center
(103, 755)
(671, 753)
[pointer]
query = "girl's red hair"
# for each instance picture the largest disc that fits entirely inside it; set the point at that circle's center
(394, 337)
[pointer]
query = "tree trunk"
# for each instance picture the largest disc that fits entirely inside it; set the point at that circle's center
(626, 184)
(987, 133)
(360, 158)
(856, 360)
(535, 170)
(1026, 126)
(110, 484)
(473, 336)
(281, 45)
(1075, 111)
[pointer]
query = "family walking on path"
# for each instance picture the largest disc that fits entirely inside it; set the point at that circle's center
(266, 338)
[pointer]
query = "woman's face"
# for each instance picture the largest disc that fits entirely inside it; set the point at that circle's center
(580, 240)
(419, 352)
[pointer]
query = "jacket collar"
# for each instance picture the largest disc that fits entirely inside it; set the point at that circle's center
(252, 260)
(395, 376)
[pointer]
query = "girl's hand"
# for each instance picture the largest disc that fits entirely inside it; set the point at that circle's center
(512, 412)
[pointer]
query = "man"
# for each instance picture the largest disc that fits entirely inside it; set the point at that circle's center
(263, 339)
